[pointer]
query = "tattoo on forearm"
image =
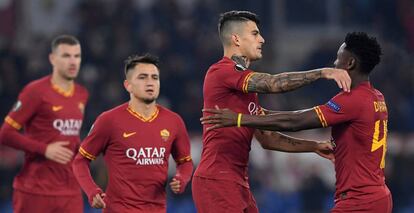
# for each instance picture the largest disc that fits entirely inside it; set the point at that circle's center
(293, 142)
(266, 83)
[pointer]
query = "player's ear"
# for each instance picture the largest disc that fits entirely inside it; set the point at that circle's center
(51, 58)
(235, 39)
(127, 86)
(352, 63)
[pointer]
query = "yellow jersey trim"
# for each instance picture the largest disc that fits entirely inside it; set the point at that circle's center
(321, 117)
(61, 91)
(141, 117)
(183, 160)
(246, 82)
(12, 123)
(86, 154)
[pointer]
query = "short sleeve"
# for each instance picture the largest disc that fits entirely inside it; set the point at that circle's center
(342, 108)
(234, 78)
(181, 147)
(24, 109)
(97, 139)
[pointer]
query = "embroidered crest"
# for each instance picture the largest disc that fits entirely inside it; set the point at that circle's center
(81, 107)
(165, 134)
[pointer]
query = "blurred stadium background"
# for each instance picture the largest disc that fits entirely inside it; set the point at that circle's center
(300, 34)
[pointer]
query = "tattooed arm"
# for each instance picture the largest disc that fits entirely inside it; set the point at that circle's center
(284, 82)
(280, 142)
(281, 121)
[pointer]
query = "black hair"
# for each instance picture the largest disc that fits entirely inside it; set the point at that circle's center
(133, 60)
(63, 39)
(365, 48)
(235, 16)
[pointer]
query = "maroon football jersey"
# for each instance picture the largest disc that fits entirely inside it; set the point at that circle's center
(359, 129)
(136, 152)
(47, 114)
(225, 153)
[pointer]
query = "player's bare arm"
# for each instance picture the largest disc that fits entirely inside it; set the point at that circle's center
(282, 121)
(284, 82)
(277, 141)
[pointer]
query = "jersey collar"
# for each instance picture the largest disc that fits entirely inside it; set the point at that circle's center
(143, 118)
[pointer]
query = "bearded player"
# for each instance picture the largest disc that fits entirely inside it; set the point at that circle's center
(50, 113)
(136, 139)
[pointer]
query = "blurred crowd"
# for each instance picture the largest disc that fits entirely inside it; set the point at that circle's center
(183, 33)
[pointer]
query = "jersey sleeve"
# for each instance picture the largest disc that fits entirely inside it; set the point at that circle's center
(340, 109)
(181, 146)
(25, 108)
(181, 154)
(97, 139)
(234, 78)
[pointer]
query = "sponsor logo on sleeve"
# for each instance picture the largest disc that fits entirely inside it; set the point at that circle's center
(240, 63)
(17, 106)
(334, 106)
(90, 130)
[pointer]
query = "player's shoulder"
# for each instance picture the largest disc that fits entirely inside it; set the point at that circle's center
(226, 67)
(167, 112)
(113, 113)
(81, 89)
(39, 83)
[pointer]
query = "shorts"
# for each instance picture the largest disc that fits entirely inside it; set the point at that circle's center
(383, 205)
(220, 196)
(26, 202)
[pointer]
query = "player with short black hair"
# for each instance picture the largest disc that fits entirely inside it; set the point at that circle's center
(136, 139)
(133, 60)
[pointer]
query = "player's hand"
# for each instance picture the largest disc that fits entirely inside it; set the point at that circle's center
(98, 201)
(175, 185)
(58, 152)
(325, 150)
(340, 76)
(219, 118)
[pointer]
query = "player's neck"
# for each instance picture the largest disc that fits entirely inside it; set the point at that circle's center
(142, 108)
(61, 82)
(229, 52)
(357, 78)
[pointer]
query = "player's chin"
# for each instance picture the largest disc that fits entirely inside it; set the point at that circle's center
(257, 57)
(149, 100)
(71, 75)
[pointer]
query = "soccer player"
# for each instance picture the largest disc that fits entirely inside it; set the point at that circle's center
(359, 129)
(50, 111)
(136, 139)
(221, 177)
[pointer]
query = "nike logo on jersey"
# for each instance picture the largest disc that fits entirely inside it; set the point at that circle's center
(56, 108)
(126, 135)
